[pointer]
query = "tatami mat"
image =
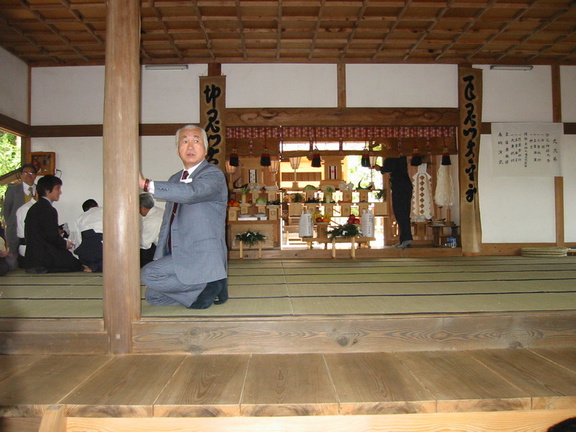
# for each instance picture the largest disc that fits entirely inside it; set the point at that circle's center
(329, 287)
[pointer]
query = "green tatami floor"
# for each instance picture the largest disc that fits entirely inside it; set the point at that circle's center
(328, 287)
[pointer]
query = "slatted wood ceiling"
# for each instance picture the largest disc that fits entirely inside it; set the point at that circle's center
(73, 32)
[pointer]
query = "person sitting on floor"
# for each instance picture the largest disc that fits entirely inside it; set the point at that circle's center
(20, 218)
(46, 250)
(4, 265)
(150, 223)
(88, 234)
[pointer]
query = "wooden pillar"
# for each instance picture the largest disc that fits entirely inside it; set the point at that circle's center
(470, 105)
(558, 181)
(559, 209)
(341, 78)
(121, 227)
(556, 95)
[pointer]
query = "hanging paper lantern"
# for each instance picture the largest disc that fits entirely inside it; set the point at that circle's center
(416, 158)
(316, 161)
(365, 161)
(234, 161)
(265, 158)
(446, 157)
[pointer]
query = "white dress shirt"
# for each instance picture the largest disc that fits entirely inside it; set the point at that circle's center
(90, 219)
(20, 219)
(150, 227)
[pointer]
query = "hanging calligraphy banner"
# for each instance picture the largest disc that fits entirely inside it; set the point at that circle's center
(526, 149)
(470, 105)
(212, 115)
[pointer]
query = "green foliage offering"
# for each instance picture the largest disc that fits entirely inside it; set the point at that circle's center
(347, 230)
(380, 194)
(297, 198)
(250, 238)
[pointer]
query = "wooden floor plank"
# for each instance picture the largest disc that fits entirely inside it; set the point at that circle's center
(550, 386)
(376, 383)
(125, 386)
(279, 385)
(460, 383)
(565, 357)
(49, 379)
(204, 386)
(10, 365)
(534, 421)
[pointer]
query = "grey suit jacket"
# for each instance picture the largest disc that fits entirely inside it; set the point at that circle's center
(199, 229)
(13, 200)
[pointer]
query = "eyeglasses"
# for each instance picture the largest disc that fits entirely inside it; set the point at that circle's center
(28, 173)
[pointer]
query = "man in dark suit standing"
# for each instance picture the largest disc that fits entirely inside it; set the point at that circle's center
(16, 195)
(46, 249)
(190, 262)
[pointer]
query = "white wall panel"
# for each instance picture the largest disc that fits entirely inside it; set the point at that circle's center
(171, 96)
(407, 86)
(281, 85)
(517, 96)
(68, 95)
(13, 87)
(79, 161)
(568, 90)
(514, 209)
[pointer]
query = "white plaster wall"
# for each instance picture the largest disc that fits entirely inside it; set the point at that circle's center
(281, 85)
(407, 86)
(79, 161)
(13, 87)
(568, 154)
(514, 209)
(517, 96)
(79, 164)
(159, 158)
(521, 209)
(172, 96)
(568, 91)
(68, 95)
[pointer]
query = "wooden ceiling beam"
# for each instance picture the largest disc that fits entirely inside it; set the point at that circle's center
(200, 19)
(541, 27)
(279, 18)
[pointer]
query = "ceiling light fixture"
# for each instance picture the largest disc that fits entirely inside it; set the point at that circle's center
(512, 67)
(166, 67)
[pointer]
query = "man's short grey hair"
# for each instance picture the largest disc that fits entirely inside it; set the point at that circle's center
(146, 200)
(192, 126)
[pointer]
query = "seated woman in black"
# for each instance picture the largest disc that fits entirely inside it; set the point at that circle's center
(46, 249)
(4, 267)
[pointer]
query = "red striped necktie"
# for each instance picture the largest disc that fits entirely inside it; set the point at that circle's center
(173, 215)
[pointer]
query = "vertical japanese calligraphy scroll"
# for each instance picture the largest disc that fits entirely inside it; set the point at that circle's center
(470, 105)
(212, 114)
(526, 149)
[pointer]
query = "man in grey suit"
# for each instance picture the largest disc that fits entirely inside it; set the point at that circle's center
(16, 195)
(190, 263)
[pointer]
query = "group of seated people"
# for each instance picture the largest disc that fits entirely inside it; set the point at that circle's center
(34, 239)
